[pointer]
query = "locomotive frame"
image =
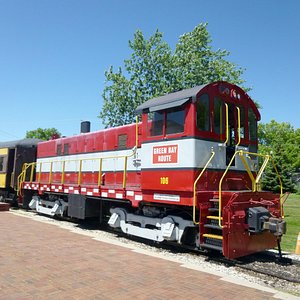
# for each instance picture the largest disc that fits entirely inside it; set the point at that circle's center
(185, 173)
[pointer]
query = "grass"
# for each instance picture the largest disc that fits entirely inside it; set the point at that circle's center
(292, 218)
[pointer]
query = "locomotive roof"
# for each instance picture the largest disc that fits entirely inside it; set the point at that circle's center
(170, 100)
(23, 142)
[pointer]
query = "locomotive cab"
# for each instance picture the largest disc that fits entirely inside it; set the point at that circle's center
(199, 150)
(180, 130)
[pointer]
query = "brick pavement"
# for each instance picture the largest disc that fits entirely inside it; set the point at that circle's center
(42, 261)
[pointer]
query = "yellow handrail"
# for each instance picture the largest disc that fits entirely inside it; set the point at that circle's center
(50, 174)
(245, 163)
(125, 171)
(195, 185)
(227, 123)
(79, 173)
(100, 172)
(40, 173)
(255, 181)
(239, 126)
(281, 187)
(63, 172)
(220, 187)
(22, 176)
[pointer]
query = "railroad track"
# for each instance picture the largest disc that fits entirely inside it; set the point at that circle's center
(269, 264)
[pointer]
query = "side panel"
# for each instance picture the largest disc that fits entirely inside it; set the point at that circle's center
(112, 166)
(3, 167)
(81, 207)
(174, 165)
(76, 206)
(23, 155)
(2, 180)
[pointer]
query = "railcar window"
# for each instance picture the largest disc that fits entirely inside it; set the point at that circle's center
(218, 116)
(66, 148)
(58, 150)
(122, 141)
(155, 123)
(252, 125)
(1, 164)
(175, 120)
(203, 120)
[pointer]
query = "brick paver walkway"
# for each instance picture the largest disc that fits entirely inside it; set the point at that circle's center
(42, 261)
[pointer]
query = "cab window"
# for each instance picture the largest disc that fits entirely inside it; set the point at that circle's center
(252, 125)
(155, 123)
(175, 120)
(203, 122)
(169, 121)
(218, 116)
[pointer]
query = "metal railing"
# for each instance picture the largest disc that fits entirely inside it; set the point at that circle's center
(39, 166)
(195, 185)
(23, 174)
(227, 123)
(254, 180)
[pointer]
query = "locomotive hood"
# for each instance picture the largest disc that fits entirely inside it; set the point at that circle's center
(179, 98)
(169, 100)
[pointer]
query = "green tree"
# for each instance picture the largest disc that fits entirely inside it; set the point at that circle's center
(43, 134)
(153, 70)
(282, 141)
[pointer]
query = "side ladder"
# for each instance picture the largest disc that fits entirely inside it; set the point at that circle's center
(213, 236)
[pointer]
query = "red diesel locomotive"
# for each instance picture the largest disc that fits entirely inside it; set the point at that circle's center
(188, 173)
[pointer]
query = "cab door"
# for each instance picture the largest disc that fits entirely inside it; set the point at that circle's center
(231, 127)
(226, 127)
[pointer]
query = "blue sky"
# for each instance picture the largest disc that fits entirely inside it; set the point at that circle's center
(53, 53)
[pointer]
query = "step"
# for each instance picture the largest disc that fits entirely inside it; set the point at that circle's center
(212, 226)
(213, 242)
(213, 247)
(213, 236)
(213, 222)
(213, 209)
(214, 200)
(214, 217)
